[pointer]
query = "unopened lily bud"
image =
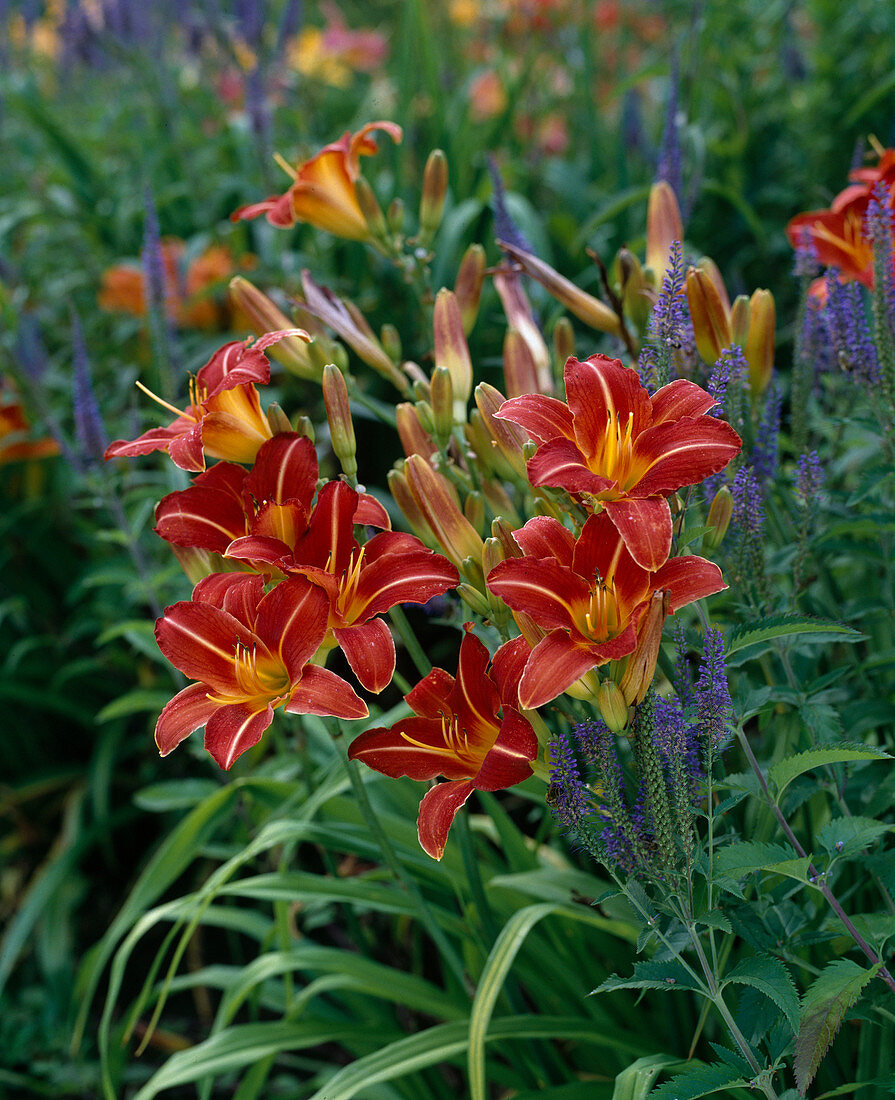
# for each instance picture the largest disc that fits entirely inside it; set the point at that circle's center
(421, 389)
(471, 571)
(492, 554)
(437, 501)
(641, 666)
(452, 351)
(304, 425)
(442, 398)
(529, 449)
(414, 439)
(759, 349)
(371, 209)
(497, 499)
(613, 707)
(503, 532)
(476, 601)
(474, 510)
(719, 518)
(435, 181)
(400, 490)
(520, 372)
(507, 439)
(391, 341)
(338, 414)
(708, 265)
(424, 414)
(711, 325)
(663, 228)
(198, 564)
(468, 287)
(584, 306)
(739, 320)
(277, 419)
(394, 216)
(263, 315)
(563, 343)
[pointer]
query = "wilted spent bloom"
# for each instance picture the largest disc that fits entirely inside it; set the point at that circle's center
(263, 315)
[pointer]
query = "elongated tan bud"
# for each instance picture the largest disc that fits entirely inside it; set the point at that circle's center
(452, 351)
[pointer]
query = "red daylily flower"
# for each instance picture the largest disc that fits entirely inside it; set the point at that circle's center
(324, 192)
(249, 654)
(274, 498)
(224, 418)
(589, 597)
(361, 582)
(620, 450)
(467, 729)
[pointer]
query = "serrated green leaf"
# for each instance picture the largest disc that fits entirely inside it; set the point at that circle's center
(833, 993)
(653, 974)
(770, 977)
(785, 771)
(699, 1081)
(788, 626)
(744, 857)
(848, 836)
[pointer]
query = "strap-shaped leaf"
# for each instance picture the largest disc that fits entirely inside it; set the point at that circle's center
(834, 992)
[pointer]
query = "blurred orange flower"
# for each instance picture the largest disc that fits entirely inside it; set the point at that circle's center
(189, 297)
(15, 429)
(487, 96)
(335, 53)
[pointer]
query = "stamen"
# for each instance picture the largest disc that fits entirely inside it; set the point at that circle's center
(164, 404)
(285, 165)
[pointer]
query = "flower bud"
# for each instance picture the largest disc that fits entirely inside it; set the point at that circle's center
(277, 419)
(371, 210)
(474, 600)
(425, 416)
(563, 343)
(437, 501)
(471, 571)
(435, 181)
(708, 265)
(641, 666)
(338, 414)
(400, 490)
(442, 398)
(468, 287)
(263, 316)
(759, 349)
(507, 439)
(739, 320)
(520, 373)
(503, 532)
(636, 291)
(474, 510)
(663, 228)
(452, 351)
(584, 306)
(394, 216)
(391, 341)
(304, 425)
(711, 326)
(414, 439)
(613, 707)
(719, 518)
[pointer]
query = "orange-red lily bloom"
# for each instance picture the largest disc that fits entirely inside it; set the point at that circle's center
(361, 582)
(323, 192)
(589, 595)
(249, 654)
(622, 451)
(224, 418)
(467, 729)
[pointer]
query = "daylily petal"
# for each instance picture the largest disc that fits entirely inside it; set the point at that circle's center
(285, 469)
(560, 464)
(186, 450)
(201, 641)
(687, 579)
(186, 712)
(293, 616)
(429, 697)
(329, 540)
(437, 812)
(474, 698)
(370, 651)
(508, 760)
(684, 452)
(555, 663)
(204, 515)
(234, 364)
(542, 417)
(680, 398)
(414, 747)
(600, 390)
(507, 667)
(545, 537)
(286, 523)
(542, 588)
(156, 439)
(236, 436)
(323, 692)
(235, 728)
(370, 513)
(413, 575)
(278, 209)
(257, 548)
(644, 524)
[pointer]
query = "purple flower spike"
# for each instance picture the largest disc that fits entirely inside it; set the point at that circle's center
(570, 797)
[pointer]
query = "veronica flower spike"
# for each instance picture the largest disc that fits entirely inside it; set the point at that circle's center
(467, 729)
(224, 417)
(249, 654)
(591, 598)
(621, 451)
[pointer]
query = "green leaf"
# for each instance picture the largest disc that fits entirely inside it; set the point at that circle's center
(788, 626)
(770, 977)
(846, 837)
(139, 701)
(744, 857)
(174, 794)
(836, 989)
(654, 974)
(699, 1081)
(785, 771)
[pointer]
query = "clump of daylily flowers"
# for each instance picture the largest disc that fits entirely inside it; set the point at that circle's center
(554, 520)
